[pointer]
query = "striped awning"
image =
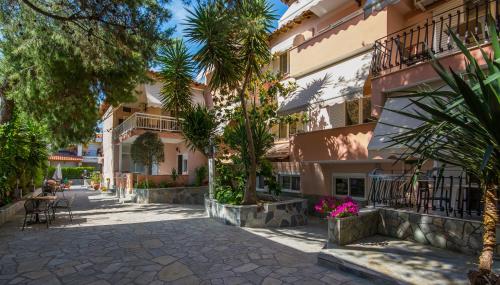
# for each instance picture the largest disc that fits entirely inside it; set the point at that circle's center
(59, 157)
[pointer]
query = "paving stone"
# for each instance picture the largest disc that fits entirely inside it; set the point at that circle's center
(164, 260)
(246, 267)
(174, 271)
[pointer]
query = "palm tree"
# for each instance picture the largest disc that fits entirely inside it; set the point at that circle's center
(199, 127)
(233, 39)
(176, 72)
(461, 127)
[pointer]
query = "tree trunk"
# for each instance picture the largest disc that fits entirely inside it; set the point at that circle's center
(250, 195)
(490, 220)
(484, 274)
(6, 105)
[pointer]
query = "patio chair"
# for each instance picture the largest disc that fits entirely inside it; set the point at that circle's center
(64, 204)
(36, 208)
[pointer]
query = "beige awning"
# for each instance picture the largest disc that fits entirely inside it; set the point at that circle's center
(390, 124)
(331, 85)
(153, 95)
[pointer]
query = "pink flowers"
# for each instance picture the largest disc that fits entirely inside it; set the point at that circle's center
(325, 205)
(337, 208)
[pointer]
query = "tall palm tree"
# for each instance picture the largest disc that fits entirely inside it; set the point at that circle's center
(176, 73)
(461, 127)
(233, 39)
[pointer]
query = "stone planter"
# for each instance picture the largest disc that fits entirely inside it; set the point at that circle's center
(464, 236)
(172, 195)
(288, 213)
(347, 230)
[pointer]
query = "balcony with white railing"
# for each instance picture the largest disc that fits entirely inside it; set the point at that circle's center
(149, 122)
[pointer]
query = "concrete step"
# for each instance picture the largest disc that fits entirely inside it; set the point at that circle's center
(384, 260)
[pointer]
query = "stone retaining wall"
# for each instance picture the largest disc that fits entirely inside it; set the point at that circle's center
(173, 195)
(7, 212)
(288, 213)
(450, 233)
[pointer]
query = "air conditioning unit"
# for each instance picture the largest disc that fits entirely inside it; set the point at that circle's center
(422, 4)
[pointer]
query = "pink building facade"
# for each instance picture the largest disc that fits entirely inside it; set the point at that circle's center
(124, 123)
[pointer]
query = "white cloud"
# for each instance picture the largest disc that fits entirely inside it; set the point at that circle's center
(179, 14)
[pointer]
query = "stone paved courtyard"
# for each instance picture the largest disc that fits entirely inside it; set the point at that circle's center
(112, 243)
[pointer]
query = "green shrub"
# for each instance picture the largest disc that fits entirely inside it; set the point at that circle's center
(145, 185)
(200, 174)
(229, 184)
(174, 175)
(71, 172)
(23, 155)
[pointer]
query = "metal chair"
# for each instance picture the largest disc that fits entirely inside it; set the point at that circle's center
(33, 207)
(64, 204)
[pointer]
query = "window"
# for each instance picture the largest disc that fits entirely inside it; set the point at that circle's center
(289, 182)
(349, 185)
(284, 63)
(127, 109)
(182, 164)
(352, 112)
(358, 111)
(261, 182)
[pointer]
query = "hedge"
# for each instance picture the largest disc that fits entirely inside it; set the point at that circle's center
(71, 172)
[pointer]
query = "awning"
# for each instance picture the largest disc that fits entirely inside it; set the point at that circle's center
(65, 158)
(318, 7)
(153, 95)
(331, 85)
(390, 124)
(279, 151)
(372, 6)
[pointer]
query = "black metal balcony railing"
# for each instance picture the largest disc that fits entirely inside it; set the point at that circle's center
(457, 196)
(413, 45)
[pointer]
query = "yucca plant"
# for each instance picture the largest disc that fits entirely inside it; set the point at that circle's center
(199, 127)
(233, 39)
(461, 127)
(176, 73)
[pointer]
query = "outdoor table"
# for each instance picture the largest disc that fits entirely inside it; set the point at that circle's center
(37, 199)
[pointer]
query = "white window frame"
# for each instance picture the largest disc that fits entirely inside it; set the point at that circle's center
(290, 175)
(349, 176)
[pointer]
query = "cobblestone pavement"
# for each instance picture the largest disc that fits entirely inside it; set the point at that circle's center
(112, 243)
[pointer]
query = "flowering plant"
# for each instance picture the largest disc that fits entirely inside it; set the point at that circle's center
(347, 209)
(325, 205)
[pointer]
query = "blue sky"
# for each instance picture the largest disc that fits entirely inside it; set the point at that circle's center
(180, 12)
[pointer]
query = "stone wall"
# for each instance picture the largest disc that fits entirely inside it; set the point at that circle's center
(348, 230)
(288, 213)
(444, 232)
(450, 233)
(174, 195)
(8, 212)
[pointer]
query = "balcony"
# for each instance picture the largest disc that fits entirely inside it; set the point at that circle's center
(146, 122)
(413, 45)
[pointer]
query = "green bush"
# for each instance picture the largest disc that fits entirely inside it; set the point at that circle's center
(229, 184)
(145, 185)
(200, 174)
(23, 156)
(71, 172)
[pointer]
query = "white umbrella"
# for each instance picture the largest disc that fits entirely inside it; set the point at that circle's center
(58, 173)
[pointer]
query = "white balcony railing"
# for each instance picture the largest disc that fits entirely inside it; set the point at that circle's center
(147, 122)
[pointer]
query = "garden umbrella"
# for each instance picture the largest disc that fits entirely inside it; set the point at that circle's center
(58, 173)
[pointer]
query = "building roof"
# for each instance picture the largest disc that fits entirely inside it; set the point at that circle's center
(59, 157)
